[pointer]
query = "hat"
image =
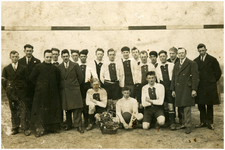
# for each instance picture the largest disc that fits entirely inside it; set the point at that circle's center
(84, 51)
(74, 51)
(153, 53)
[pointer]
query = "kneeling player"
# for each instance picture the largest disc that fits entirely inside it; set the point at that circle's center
(96, 99)
(127, 110)
(152, 101)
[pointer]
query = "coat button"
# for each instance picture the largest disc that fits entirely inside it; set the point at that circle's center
(177, 83)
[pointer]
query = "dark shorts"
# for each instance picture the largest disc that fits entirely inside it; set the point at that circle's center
(151, 112)
(113, 90)
(168, 96)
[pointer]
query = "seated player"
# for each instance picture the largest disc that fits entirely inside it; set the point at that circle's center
(96, 99)
(127, 110)
(152, 101)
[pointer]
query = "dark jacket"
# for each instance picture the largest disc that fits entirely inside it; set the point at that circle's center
(46, 105)
(70, 80)
(184, 80)
(169, 60)
(15, 79)
(209, 74)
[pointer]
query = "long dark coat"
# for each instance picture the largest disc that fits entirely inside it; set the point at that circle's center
(184, 80)
(70, 80)
(46, 107)
(209, 74)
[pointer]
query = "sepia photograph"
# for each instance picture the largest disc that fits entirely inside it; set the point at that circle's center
(112, 75)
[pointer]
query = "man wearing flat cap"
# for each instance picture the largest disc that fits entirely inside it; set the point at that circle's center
(89, 74)
(75, 55)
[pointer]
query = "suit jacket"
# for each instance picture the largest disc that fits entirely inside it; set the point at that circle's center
(16, 79)
(184, 80)
(33, 62)
(70, 80)
(209, 74)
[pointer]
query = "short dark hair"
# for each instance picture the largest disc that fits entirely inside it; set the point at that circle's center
(74, 51)
(110, 50)
(134, 48)
(151, 73)
(55, 49)
(162, 51)
(201, 45)
(84, 51)
(153, 53)
(28, 46)
(125, 48)
(13, 52)
(99, 49)
(174, 49)
(47, 51)
(144, 52)
(64, 52)
(181, 48)
(125, 88)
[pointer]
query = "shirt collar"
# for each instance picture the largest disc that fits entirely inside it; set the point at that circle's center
(151, 86)
(163, 64)
(141, 64)
(182, 60)
(97, 61)
(125, 59)
(203, 57)
(15, 64)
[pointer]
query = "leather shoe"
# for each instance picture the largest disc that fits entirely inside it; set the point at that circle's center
(80, 130)
(210, 126)
(173, 126)
(157, 126)
(15, 131)
(27, 132)
(182, 127)
(188, 130)
(90, 126)
(201, 125)
(68, 128)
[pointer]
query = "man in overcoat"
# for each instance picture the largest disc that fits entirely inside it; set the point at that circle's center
(30, 62)
(46, 110)
(184, 85)
(70, 79)
(209, 74)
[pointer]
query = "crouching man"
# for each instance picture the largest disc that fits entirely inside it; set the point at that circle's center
(96, 99)
(152, 101)
(127, 110)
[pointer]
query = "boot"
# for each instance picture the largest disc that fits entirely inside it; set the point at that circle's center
(172, 121)
(92, 120)
(85, 119)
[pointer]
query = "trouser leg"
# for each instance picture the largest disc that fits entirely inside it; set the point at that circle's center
(187, 116)
(179, 115)
(202, 110)
(69, 118)
(14, 107)
(210, 114)
(181, 111)
(77, 117)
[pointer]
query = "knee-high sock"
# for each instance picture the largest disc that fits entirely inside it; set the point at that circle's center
(166, 113)
(92, 118)
(172, 116)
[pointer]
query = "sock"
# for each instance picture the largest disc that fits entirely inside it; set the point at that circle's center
(172, 117)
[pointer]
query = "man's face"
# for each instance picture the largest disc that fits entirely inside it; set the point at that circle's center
(14, 57)
(75, 57)
(153, 59)
(48, 57)
(163, 58)
(181, 53)
(151, 79)
(111, 55)
(95, 85)
(28, 52)
(202, 51)
(99, 55)
(55, 55)
(125, 54)
(65, 57)
(126, 94)
(144, 58)
(173, 55)
(135, 53)
(83, 58)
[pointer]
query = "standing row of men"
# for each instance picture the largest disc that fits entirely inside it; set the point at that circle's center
(186, 82)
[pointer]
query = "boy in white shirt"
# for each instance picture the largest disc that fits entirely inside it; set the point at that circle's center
(127, 110)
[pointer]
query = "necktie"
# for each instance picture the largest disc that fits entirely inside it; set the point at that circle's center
(202, 58)
(14, 67)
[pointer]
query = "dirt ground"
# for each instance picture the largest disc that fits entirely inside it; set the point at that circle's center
(138, 138)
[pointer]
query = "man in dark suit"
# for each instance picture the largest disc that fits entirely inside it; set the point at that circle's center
(55, 56)
(14, 77)
(184, 85)
(71, 77)
(30, 62)
(209, 74)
